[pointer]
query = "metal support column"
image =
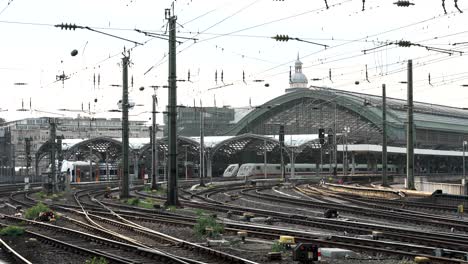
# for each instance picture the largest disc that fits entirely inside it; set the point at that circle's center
(384, 137)
(172, 197)
(410, 132)
(201, 170)
(154, 150)
(53, 149)
(124, 191)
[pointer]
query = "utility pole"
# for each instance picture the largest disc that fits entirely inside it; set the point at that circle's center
(154, 150)
(201, 170)
(172, 197)
(410, 132)
(124, 191)
(384, 137)
(53, 171)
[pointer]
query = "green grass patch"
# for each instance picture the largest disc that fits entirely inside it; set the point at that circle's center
(171, 208)
(33, 212)
(42, 195)
(133, 201)
(12, 231)
(207, 226)
(277, 247)
(148, 203)
(96, 260)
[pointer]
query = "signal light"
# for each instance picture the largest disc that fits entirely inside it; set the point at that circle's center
(322, 136)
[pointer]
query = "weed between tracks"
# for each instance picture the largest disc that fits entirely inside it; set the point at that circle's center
(148, 203)
(33, 212)
(12, 231)
(43, 195)
(207, 226)
(96, 260)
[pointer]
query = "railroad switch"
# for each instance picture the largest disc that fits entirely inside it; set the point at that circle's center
(422, 260)
(242, 235)
(306, 253)
(248, 216)
(229, 214)
(269, 220)
(330, 213)
(287, 241)
(376, 235)
(274, 256)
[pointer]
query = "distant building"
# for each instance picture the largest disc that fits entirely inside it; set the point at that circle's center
(216, 120)
(297, 81)
(14, 133)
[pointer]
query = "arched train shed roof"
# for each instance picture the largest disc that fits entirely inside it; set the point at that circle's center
(369, 107)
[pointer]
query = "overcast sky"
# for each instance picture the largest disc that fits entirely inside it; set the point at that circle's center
(233, 36)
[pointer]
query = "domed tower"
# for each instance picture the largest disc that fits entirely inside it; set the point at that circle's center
(298, 79)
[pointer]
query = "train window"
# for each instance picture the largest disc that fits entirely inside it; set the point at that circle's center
(278, 167)
(257, 168)
(308, 169)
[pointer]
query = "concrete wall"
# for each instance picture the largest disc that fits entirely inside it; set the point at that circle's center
(449, 188)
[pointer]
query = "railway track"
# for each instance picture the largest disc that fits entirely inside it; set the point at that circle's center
(92, 245)
(396, 234)
(132, 231)
(10, 255)
(457, 247)
(388, 214)
(376, 202)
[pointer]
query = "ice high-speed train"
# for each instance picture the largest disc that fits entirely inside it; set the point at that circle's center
(257, 170)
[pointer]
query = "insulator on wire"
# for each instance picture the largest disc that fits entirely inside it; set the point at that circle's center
(403, 3)
(99, 80)
(188, 75)
(363, 5)
(243, 76)
(404, 43)
(326, 4)
(330, 75)
(216, 76)
(429, 78)
(222, 76)
(281, 38)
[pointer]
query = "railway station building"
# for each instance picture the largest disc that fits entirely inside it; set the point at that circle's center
(352, 123)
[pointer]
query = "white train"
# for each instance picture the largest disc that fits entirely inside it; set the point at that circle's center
(257, 170)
